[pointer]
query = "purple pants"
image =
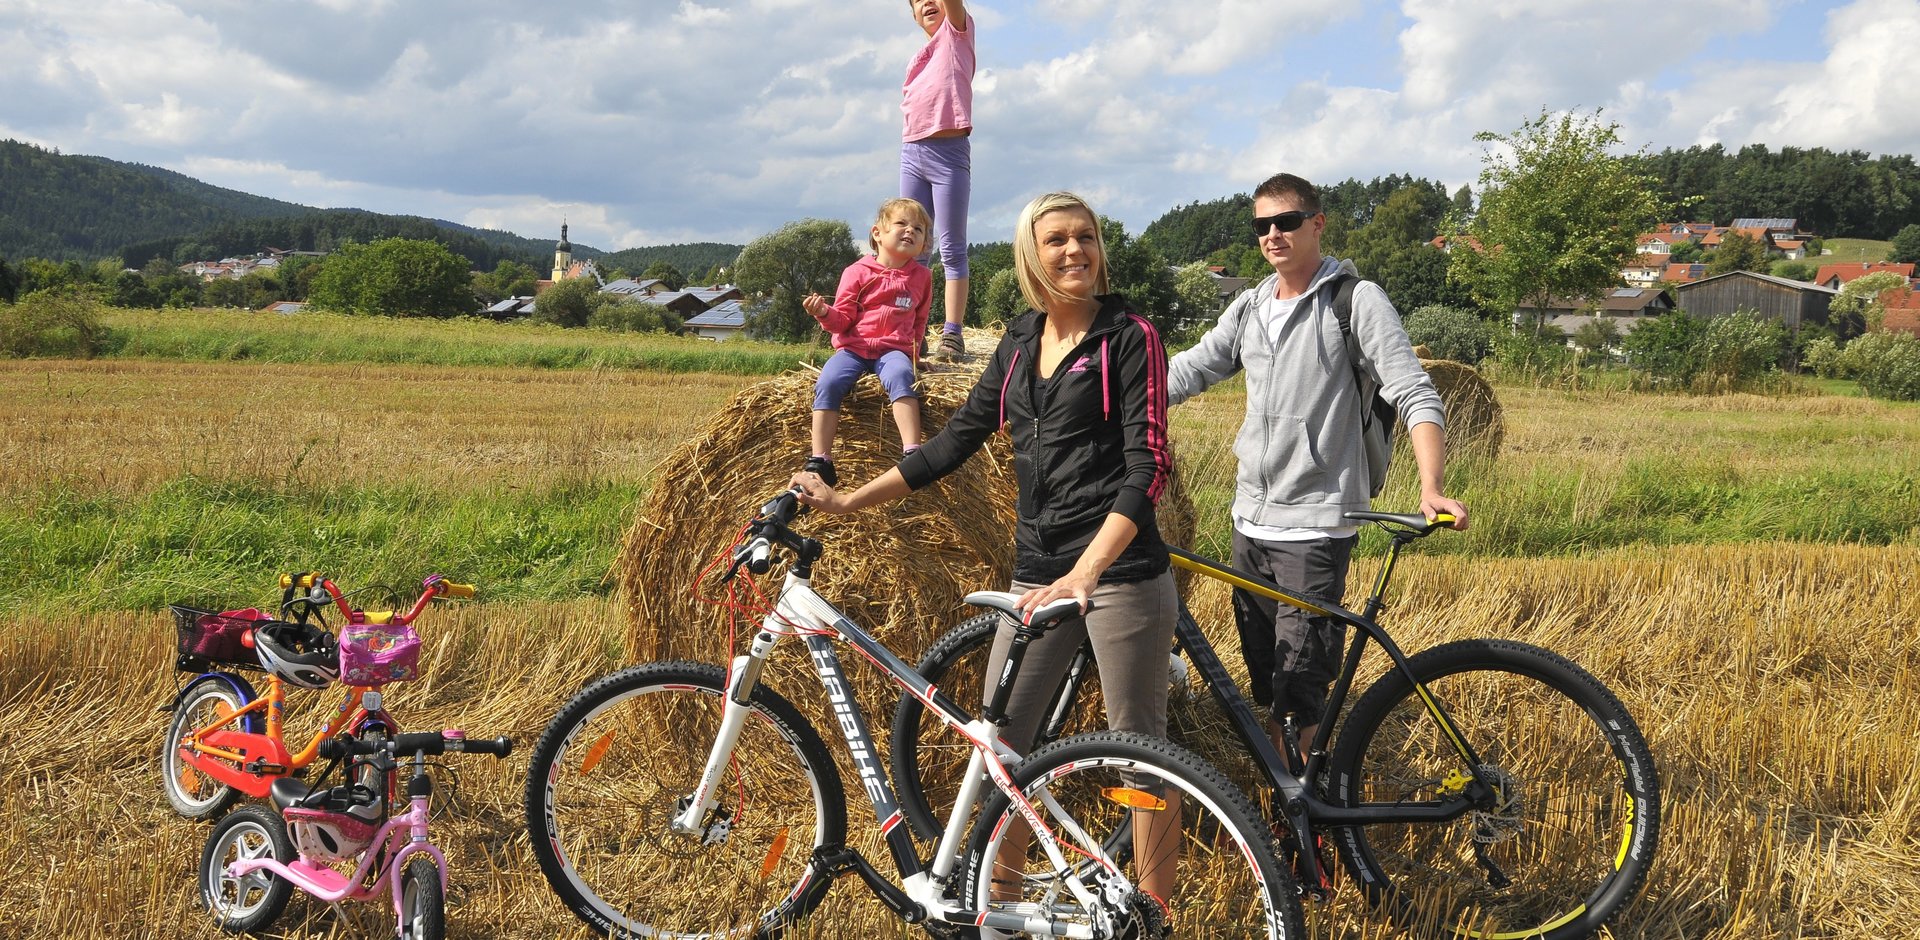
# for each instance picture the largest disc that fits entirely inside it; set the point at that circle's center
(938, 173)
(843, 369)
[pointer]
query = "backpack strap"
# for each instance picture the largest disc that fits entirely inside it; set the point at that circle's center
(1376, 409)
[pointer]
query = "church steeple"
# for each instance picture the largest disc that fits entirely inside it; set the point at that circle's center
(562, 254)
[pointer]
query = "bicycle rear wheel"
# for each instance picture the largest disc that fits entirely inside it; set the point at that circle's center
(615, 766)
(1579, 814)
(928, 758)
(1092, 792)
(206, 700)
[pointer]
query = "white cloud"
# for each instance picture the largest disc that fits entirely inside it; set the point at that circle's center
(721, 119)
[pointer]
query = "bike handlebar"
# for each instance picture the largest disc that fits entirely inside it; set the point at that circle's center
(768, 526)
(424, 743)
(1409, 525)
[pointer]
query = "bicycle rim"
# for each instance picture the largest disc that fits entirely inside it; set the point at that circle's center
(611, 772)
(1093, 792)
(1576, 821)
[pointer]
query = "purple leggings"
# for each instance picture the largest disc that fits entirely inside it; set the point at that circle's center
(844, 368)
(937, 172)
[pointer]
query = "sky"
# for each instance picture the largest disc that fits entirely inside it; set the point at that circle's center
(650, 122)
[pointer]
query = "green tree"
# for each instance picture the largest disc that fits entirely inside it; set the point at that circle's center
(1596, 338)
(984, 264)
(1401, 223)
(1461, 211)
(666, 273)
(1906, 246)
(780, 269)
(1795, 270)
(1196, 295)
(224, 292)
(507, 279)
(569, 303)
(1686, 252)
(399, 277)
(1858, 308)
(628, 315)
(7, 283)
(1001, 300)
(1450, 333)
(1138, 272)
(1558, 214)
(1417, 276)
(1737, 252)
(131, 290)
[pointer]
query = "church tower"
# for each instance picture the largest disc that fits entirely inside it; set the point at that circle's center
(562, 255)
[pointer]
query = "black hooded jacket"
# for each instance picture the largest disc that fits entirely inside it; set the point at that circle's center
(1089, 441)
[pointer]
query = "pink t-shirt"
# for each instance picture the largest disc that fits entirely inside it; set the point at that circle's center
(878, 308)
(938, 94)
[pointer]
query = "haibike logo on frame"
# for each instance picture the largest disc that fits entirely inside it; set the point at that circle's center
(858, 747)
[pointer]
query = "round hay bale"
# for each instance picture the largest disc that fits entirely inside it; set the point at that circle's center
(900, 570)
(1474, 419)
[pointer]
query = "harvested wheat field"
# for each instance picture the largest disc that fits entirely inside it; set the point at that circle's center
(1789, 750)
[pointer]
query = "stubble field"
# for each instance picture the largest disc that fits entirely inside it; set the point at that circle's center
(1740, 570)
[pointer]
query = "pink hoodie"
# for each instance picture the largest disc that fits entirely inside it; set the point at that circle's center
(878, 308)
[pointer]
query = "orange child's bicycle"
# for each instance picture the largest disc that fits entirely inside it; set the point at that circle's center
(225, 739)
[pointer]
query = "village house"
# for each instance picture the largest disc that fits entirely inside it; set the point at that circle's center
(1790, 302)
(1837, 275)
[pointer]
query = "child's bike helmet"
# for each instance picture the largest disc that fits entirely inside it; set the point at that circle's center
(300, 654)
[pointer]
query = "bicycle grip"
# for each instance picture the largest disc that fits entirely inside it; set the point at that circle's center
(304, 579)
(454, 589)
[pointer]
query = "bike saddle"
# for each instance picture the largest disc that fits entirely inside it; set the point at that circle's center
(1049, 614)
(287, 792)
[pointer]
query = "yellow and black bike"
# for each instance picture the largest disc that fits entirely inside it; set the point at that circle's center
(1483, 788)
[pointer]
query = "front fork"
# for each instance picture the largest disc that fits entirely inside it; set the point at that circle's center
(743, 676)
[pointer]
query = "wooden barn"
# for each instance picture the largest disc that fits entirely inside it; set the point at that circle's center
(1777, 298)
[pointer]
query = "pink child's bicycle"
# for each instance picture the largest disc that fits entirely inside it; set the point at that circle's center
(258, 854)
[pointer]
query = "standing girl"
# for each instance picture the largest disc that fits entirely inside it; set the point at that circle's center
(876, 318)
(1080, 384)
(936, 157)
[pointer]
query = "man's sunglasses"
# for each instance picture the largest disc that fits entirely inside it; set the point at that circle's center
(1285, 222)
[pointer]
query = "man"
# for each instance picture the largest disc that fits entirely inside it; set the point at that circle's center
(1302, 457)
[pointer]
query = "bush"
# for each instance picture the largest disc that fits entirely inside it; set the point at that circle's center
(62, 324)
(1543, 360)
(633, 316)
(1823, 357)
(1451, 333)
(1663, 349)
(1887, 365)
(1740, 346)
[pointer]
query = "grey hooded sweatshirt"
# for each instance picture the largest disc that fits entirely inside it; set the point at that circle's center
(1302, 460)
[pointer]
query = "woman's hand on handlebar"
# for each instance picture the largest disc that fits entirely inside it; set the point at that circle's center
(815, 492)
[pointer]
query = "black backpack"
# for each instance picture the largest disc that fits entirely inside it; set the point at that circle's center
(1378, 415)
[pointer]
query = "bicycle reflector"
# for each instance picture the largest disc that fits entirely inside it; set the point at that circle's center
(1134, 799)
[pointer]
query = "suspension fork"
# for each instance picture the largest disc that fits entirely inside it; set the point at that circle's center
(743, 676)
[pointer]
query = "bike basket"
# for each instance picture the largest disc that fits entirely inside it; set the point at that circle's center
(377, 653)
(206, 636)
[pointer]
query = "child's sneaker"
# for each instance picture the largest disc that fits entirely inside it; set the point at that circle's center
(824, 467)
(952, 347)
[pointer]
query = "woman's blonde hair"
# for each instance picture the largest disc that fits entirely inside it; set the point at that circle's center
(1036, 282)
(914, 210)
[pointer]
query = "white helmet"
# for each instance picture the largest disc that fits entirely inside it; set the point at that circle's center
(303, 655)
(329, 836)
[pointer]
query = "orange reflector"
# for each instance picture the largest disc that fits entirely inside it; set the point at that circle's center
(1134, 799)
(774, 851)
(594, 753)
(222, 711)
(189, 781)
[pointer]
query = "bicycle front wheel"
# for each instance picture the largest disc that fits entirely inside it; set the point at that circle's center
(620, 761)
(1129, 811)
(1577, 816)
(928, 757)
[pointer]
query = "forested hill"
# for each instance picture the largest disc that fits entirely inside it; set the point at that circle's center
(60, 206)
(65, 206)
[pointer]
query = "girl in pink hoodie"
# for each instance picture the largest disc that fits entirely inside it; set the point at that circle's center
(876, 318)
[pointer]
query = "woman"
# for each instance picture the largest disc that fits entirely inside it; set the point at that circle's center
(1080, 384)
